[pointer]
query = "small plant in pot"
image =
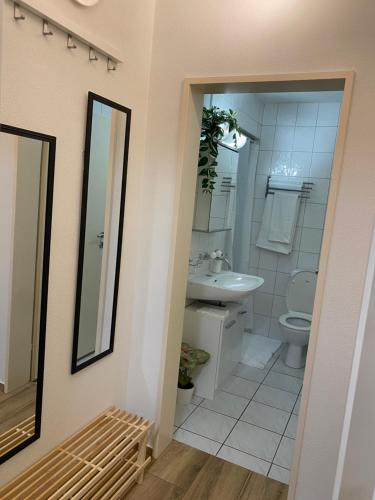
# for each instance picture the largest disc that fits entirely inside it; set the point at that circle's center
(189, 359)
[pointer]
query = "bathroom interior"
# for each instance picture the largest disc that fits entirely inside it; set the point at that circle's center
(253, 266)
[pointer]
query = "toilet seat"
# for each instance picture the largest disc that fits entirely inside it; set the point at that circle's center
(286, 320)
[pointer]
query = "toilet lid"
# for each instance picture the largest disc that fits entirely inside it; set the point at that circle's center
(301, 291)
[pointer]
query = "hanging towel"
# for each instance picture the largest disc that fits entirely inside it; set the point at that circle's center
(284, 216)
(263, 240)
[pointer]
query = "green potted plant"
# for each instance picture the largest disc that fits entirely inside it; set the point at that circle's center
(215, 124)
(189, 359)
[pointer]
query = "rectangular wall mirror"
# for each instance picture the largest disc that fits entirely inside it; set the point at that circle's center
(102, 214)
(26, 191)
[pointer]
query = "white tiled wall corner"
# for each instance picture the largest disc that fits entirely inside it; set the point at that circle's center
(298, 141)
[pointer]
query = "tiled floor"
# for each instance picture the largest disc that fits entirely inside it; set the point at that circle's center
(251, 422)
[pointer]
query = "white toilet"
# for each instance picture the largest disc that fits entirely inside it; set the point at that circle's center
(296, 323)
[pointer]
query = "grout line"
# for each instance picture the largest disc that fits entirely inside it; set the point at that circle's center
(278, 388)
(291, 413)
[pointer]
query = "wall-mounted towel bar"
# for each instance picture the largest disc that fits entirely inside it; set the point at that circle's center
(304, 188)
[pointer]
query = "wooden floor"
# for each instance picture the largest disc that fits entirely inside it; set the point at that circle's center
(182, 472)
(17, 406)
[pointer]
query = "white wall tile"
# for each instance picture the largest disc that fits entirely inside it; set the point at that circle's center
(319, 192)
(307, 114)
(275, 330)
(258, 209)
(325, 138)
(261, 324)
(263, 303)
(269, 280)
(308, 260)
(267, 260)
(281, 163)
(300, 164)
(328, 114)
(278, 306)
(260, 186)
(264, 162)
(286, 114)
(255, 226)
(267, 137)
(270, 114)
(283, 138)
(281, 283)
(311, 240)
(314, 215)
(254, 256)
(287, 263)
(304, 139)
(321, 165)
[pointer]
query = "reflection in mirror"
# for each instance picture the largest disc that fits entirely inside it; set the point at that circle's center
(26, 183)
(103, 198)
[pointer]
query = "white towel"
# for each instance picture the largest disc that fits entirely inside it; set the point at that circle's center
(263, 236)
(284, 216)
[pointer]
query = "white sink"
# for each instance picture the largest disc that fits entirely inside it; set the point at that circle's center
(224, 287)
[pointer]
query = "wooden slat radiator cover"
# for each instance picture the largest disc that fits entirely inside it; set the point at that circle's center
(99, 462)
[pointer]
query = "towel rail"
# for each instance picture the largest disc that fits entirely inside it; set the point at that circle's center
(305, 190)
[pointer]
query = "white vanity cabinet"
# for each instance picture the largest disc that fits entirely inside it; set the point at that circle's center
(218, 331)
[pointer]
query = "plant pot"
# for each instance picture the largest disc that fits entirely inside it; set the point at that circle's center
(184, 396)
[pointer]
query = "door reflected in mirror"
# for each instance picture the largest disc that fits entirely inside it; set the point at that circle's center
(26, 183)
(103, 198)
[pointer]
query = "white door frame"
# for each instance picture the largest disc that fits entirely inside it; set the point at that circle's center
(191, 111)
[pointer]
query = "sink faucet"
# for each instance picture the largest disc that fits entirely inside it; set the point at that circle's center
(225, 259)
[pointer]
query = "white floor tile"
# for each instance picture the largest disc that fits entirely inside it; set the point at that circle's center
(199, 442)
(250, 372)
(296, 408)
(254, 440)
(240, 387)
(280, 367)
(182, 413)
(275, 397)
(244, 460)
(284, 455)
(291, 428)
(267, 417)
(197, 400)
(283, 382)
(279, 474)
(226, 403)
(209, 424)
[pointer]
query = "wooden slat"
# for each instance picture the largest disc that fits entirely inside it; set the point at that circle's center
(17, 434)
(99, 462)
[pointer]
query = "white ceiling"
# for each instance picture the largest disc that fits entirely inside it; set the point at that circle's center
(326, 96)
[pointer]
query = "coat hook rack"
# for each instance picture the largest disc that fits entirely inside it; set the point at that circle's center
(111, 66)
(69, 42)
(17, 14)
(46, 29)
(92, 55)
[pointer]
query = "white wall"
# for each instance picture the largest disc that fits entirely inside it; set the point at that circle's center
(289, 36)
(44, 88)
(357, 479)
(297, 141)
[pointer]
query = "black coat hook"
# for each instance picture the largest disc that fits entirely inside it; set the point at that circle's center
(46, 28)
(17, 14)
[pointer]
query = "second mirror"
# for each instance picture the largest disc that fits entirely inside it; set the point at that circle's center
(102, 214)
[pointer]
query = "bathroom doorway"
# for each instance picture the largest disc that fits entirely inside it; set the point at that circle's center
(285, 138)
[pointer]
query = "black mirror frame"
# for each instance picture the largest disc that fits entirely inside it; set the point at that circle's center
(75, 367)
(45, 277)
